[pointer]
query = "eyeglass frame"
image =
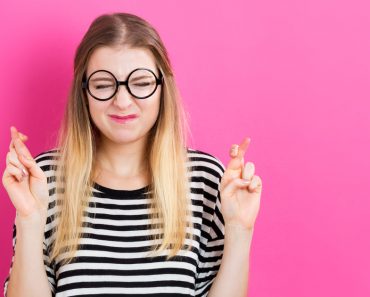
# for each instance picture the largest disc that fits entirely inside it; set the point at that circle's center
(158, 81)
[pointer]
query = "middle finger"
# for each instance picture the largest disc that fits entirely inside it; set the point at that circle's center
(243, 148)
(21, 148)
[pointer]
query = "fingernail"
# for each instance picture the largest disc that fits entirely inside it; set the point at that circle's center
(25, 173)
(234, 149)
(246, 181)
(249, 166)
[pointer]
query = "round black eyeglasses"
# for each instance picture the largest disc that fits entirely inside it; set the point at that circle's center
(140, 83)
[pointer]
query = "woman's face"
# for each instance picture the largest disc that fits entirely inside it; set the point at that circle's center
(120, 62)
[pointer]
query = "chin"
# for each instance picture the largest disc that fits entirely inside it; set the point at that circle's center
(126, 139)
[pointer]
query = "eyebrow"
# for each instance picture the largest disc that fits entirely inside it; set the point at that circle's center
(140, 77)
(110, 79)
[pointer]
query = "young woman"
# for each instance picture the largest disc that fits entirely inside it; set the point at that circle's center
(122, 206)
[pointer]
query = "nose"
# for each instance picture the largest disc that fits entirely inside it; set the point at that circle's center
(123, 99)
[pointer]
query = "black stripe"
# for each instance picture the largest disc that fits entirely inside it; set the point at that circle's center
(206, 172)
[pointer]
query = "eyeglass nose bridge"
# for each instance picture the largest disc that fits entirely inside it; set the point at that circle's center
(120, 83)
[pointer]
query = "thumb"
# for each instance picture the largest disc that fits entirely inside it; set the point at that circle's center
(32, 167)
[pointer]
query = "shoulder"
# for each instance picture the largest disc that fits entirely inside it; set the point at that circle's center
(47, 154)
(47, 159)
(205, 164)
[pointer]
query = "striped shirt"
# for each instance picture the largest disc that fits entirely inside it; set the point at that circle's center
(112, 259)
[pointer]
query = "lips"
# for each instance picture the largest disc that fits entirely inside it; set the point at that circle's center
(130, 116)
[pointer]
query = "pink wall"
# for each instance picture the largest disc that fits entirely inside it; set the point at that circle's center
(292, 75)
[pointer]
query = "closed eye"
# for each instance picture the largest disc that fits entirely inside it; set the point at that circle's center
(103, 86)
(142, 84)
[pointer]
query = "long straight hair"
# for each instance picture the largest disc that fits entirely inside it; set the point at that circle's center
(78, 139)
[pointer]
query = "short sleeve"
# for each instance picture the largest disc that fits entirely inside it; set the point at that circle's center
(212, 245)
(49, 268)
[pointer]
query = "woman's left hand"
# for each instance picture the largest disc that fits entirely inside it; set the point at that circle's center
(240, 202)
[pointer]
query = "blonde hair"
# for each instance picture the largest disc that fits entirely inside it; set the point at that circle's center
(78, 138)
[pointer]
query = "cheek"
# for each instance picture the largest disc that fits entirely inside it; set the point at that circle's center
(152, 108)
(96, 109)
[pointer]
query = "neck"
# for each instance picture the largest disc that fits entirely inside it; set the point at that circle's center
(122, 160)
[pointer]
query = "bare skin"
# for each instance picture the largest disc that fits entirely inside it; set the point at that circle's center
(121, 160)
(26, 185)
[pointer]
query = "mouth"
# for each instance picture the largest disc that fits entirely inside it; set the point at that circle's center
(130, 116)
(123, 119)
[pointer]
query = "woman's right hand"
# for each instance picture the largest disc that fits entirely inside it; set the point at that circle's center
(29, 191)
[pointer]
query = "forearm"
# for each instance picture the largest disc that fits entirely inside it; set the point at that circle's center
(28, 276)
(232, 277)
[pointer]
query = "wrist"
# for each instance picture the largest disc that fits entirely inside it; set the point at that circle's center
(238, 233)
(34, 221)
(236, 228)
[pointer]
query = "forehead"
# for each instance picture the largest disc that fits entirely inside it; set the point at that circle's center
(120, 60)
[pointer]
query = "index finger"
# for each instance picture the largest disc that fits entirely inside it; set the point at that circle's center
(243, 147)
(21, 148)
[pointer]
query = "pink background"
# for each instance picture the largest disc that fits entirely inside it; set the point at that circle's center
(292, 75)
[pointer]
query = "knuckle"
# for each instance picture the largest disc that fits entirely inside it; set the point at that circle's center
(12, 151)
(13, 169)
(13, 159)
